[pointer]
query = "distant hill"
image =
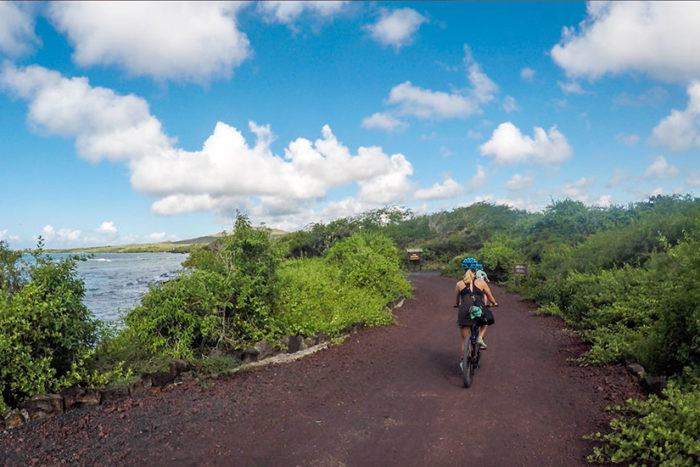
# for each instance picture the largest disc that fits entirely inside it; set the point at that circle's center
(180, 246)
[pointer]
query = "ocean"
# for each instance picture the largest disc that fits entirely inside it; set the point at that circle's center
(115, 282)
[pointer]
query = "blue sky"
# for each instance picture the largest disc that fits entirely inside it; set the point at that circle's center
(134, 122)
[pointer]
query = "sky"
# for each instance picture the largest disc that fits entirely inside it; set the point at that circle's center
(133, 122)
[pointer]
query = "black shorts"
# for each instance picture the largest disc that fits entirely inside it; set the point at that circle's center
(464, 321)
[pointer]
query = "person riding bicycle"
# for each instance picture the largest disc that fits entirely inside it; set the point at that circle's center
(471, 291)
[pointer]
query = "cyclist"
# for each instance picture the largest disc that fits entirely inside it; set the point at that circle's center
(471, 291)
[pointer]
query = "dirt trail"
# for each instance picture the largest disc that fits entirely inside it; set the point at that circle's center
(387, 396)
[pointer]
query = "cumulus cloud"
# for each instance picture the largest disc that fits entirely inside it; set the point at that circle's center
(383, 121)
(6, 237)
(105, 125)
(661, 169)
(49, 234)
(478, 181)
(509, 146)
(428, 104)
(604, 201)
(471, 134)
(121, 129)
(519, 182)
(618, 177)
(657, 38)
(509, 104)
(107, 228)
(288, 12)
(527, 74)
(693, 180)
(651, 98)
(680, 130)
(446, 190)
(424, 103)
(16, 29)
(396, 28)
(577, 190)
(627, 139)
(571, 87)
(183, 41)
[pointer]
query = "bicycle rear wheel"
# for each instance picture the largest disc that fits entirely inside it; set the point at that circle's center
(467, 363)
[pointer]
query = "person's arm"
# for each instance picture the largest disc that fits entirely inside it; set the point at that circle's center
(488, 293)
(457, 294)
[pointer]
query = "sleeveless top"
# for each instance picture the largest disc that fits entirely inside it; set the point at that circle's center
(476, 292)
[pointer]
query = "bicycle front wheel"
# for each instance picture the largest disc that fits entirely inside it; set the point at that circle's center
(467, 363)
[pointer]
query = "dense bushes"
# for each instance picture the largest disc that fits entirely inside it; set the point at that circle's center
(658, 431)
(46, 333)
(241, 291)
(352, 283)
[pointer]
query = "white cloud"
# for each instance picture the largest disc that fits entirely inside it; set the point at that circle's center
(48, 233)
(478, 181)
(509, 104)
(627, 139)
(288, 12)
(440, 105)
(68, 235)
(471, 134)
(445, 151)
(651, 97)
(571, 87)
(693, 180)
(390, 186)
(657, 38)
(483, 89)
(396, 27)
(424, 103)
(105, 125)
(527, 74)
(519, 182)
(509, 146)
(618, 177)
(604, 201)
(182, 41)
(680, 130)
(16, 29)
(120, 128)
(107, 228)
(660, 169)
(383, 121)
(157, 236)
(446, 190)
(578, 190)
(6, 237)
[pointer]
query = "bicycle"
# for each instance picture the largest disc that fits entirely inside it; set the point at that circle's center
(472, 355)
(471, 359)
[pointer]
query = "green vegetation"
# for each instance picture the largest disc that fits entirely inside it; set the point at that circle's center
(236, 290)
(627, 279)
(46, 333)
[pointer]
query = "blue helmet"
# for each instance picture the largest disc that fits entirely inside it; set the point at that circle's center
(478, 267)
(468, 263)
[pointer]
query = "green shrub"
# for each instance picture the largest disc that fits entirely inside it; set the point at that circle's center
(658, 431)
(46, 332)
(353, 283)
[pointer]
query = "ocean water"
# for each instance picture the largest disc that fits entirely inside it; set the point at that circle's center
(115, 282)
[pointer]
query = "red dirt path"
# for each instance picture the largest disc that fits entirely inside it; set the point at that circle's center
(386, 396)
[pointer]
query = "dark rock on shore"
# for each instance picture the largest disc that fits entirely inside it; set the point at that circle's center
(75, 397)
(44, 406)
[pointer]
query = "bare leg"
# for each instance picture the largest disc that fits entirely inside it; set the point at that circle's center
(482, 331)
(465, 334)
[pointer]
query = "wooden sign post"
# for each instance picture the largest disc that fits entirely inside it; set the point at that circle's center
(413, 258)
(519, 270)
